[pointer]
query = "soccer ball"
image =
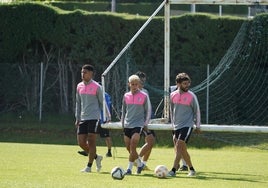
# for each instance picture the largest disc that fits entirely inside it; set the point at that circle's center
(161, 171)
(118, 173)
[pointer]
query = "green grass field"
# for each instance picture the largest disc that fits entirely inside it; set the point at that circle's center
(41, 165)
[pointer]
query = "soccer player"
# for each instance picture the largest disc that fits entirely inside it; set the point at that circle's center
(104, 133)
(136, 113)
(184, 166)
(149, 135)
(184, 114)
(87, 113)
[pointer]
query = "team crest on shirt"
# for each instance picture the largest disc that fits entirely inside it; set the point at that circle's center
(140, 100)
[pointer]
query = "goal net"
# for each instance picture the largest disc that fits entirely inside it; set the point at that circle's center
(237, 85)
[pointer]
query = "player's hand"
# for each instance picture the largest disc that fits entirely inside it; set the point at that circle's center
(76, 124)
(197, 130)
(145, 128)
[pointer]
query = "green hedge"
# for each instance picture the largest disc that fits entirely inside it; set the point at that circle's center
(80, 32)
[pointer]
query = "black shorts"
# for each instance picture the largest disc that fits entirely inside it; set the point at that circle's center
(87, 126)
(148, 132)
(183, 133)
(104, 133)
(130, 131)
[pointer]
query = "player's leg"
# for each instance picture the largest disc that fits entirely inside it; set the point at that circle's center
(104, 133)
(182, 151)
(82, 142)
(82, 139)
(174, 142)
(146, 149)
(133, 152)
(82, 134)
(108, 142)
(92, 137)
(131, 138)
(182, 140)
(133, 147)
(177, 158)
(127, 145)
(92, 146)
(176, 137)
(184, 166)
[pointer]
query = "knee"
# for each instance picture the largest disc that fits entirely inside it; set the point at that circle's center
(180, 145)
(150, 143)
(81, 142)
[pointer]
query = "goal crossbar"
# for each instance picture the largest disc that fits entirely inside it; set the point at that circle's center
(220, 2)
(204, 127)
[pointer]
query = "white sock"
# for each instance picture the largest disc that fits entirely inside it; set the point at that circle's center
(139, 162)
(130, 165)
(183, 162)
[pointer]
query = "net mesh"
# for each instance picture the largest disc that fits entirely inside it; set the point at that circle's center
(238, 85)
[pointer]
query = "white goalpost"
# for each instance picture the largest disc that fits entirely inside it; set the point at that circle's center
(162, 123)
(157, 125)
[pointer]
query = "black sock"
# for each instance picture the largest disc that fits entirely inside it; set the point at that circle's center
(109, 150)
(89, 164)
(192, 168)
(174, 170)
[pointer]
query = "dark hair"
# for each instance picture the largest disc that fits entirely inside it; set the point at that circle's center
(141, 74)
(88, 67)
(182, 77)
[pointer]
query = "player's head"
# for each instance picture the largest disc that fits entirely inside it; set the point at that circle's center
(87, 72)
(183, 81)
(133, 83)
(142, 77)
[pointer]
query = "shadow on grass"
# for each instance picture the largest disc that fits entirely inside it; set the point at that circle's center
(213, 176)
(225, 177)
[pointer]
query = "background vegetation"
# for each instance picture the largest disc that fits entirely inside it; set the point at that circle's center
(65, 38)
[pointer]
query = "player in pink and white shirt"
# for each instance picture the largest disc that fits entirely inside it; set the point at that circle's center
(136, 114)
(184, 113)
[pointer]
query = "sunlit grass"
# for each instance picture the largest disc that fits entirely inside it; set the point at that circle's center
(38, 165)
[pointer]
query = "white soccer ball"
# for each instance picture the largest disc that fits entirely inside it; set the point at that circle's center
(118, 173)
(161, 171)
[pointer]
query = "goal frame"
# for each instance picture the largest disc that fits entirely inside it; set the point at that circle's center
(159, 125)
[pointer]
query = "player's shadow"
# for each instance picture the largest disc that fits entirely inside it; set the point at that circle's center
(213, 176)
(119, 157)
(223, 176)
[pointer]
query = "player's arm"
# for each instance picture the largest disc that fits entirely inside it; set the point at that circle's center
(77, 109)
(148, 110)
(123, 113)
(197, 116)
